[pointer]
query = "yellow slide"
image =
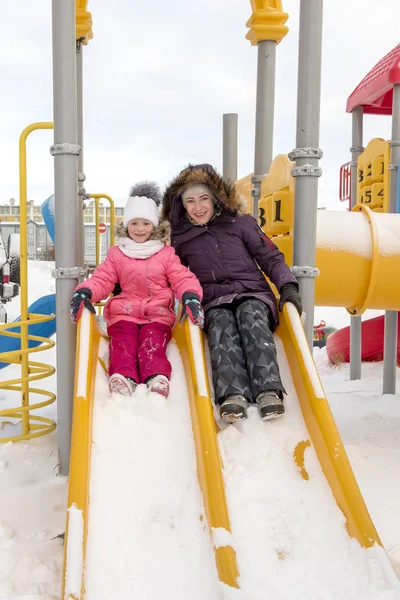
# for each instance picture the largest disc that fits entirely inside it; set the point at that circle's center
(323, 437)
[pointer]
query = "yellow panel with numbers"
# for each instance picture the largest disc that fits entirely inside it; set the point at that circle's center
(377, 195)
(373, 175)
(262, 215)
(280, 212)
(367, 195)
(378, 168)
(368, 173)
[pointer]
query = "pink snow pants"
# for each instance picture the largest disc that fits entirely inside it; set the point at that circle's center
(139, 351)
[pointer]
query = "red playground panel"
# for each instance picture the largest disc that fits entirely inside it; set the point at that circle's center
(372, 334)
(375, 92)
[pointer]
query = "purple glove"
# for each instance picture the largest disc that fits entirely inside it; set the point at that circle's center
(193, 309)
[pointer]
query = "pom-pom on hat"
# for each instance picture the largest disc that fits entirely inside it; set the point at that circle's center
(145, 199)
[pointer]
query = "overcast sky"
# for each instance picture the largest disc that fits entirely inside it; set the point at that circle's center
(159, 75)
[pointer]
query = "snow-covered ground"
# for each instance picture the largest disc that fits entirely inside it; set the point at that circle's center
(33, 498)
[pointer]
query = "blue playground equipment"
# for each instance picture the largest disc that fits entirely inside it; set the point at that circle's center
(43, 306)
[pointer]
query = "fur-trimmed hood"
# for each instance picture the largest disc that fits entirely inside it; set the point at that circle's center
(223, 190)
(162, 232)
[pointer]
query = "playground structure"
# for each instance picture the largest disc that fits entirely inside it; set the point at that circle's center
(338, 344)
(308, 238)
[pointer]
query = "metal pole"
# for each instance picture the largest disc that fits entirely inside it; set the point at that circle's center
(65, 152)
(307, 155)
(265, 103)
(230, 146)
(391, 317)
(81, 175)
(355, 322)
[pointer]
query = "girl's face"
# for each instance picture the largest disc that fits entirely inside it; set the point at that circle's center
(200, 208)
(139, 230)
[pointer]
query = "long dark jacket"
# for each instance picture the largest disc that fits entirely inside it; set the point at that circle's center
(229, 253)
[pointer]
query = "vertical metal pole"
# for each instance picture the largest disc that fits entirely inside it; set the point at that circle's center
(391, 316)
(65, 151)
(355, 322)
(307, 154)
(230, 146)
(81, 175)
(265, 104)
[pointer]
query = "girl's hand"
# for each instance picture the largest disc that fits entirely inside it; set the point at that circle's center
(80, 299)
(193, 309)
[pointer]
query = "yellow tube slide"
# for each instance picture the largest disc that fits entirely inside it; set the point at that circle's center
(322, 430)
(190, 343)
(358, 255)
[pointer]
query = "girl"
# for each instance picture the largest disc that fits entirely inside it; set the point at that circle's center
(141, 317)
(228, 251)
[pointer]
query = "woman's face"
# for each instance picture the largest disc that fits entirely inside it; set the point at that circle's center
(200, 208)
(139, 230)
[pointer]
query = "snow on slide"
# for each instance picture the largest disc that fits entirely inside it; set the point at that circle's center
(146, 539)
(145, 536)
(289, 534)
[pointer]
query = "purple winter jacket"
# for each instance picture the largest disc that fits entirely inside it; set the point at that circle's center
(229, 253)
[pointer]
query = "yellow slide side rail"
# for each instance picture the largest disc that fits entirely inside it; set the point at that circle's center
(189, 338)
(323, 431)
(87, 344)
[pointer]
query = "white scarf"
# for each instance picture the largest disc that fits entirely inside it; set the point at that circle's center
(135, 250)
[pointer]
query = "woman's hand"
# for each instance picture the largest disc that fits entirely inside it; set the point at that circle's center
(80, 299)
(193, 309)
(289, 293)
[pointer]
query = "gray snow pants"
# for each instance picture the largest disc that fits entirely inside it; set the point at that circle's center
(242, 350)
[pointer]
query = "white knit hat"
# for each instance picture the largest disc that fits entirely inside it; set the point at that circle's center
(145, 198)
(199, 188)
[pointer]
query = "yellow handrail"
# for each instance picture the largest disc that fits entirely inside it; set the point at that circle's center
(30, 371)
(209, 465)
(97, 198)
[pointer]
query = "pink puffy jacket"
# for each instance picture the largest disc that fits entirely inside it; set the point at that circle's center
(148, 286)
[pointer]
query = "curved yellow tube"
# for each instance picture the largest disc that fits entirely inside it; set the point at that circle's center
(358, 254)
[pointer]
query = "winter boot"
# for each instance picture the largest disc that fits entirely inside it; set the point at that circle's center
(233, 409)
(158, 384)
(269, 405)
(118, 384)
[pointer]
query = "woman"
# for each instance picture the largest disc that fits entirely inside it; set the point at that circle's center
(228, 252)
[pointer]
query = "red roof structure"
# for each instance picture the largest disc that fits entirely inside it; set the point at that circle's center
(375, 92)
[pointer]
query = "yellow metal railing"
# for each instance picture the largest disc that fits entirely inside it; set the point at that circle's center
(97, 198)
(30, 370)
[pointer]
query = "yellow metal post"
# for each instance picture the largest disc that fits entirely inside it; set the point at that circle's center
(97, 198)
(267, 29)
(84, 22)
(267, 21)
(23, 198)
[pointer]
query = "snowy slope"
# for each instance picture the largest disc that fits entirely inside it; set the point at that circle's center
(289, 534)
(279, 520)
(146, 539)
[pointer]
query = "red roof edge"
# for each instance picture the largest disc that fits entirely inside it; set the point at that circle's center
(375, 92)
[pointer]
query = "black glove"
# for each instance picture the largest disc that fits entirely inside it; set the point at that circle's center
(80, 299)
(289, 293)
(193, 309)
(117, 290)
